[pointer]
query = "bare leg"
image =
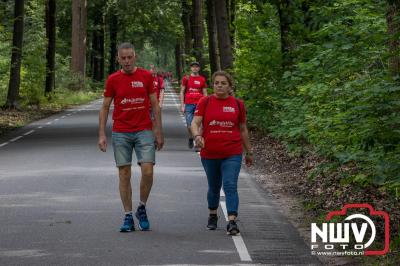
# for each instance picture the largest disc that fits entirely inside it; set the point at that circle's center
(125, 188)
(146, 182)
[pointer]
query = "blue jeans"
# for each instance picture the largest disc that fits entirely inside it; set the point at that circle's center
(189, 113)
(223, 172)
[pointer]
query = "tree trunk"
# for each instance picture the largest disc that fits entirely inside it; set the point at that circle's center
(212, 36)
(178, 62)
(186, 28)
(51, 46)
(284, 22)
(165, 59)
(79, 26)
(224, 40)
(231, 9)
(16, 54)
(393, 28)
(98, 46)
(113, 27)
(198, 32)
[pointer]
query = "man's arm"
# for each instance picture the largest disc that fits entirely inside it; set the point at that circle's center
(103, 115)
(161, 102)
(182, 98)
(157, 125)
(205, 91)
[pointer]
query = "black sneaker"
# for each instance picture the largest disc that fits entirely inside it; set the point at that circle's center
(212, 222)
(191, 144)
(232, 228)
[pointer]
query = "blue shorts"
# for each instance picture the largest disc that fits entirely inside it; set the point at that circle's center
(189, 113)
(141, 141)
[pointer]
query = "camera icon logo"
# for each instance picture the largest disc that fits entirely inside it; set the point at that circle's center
(350, 237)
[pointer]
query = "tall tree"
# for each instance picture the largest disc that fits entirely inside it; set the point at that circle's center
(186, 28)
(212, 36)
(224, 40)
(285, 13)
(51, 45)
(78, 49)
(113, 32)
(198, 32)
(393, 28)
(16, 54)
(231, 9)
(178, 59)
(98, 43)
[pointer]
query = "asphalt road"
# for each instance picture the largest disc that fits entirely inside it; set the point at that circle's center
(59, 203)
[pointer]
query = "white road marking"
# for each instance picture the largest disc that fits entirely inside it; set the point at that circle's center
(29, 132)
(49, 123)
(237, 240)
(241, 248)
(223, 206)
(3, 144)
(40, 127)
(15, 139)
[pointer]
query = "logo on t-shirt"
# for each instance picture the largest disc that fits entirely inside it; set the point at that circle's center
(132, 100)
(221, 123)
(197, 82)
(228, 109)
(137, 84)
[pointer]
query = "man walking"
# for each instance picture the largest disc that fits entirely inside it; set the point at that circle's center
(131, 89)
(193, 88)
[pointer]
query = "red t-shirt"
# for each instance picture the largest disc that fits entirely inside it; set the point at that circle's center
(131, 100)
(194, 88)
(158, 85)
(221, 132)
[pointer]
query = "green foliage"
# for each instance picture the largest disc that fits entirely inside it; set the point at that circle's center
(5, 48)
(337, 96)
(257, 61)
(33, 70)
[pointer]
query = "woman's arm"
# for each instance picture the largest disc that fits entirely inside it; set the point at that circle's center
(195, 127)
(244, 133)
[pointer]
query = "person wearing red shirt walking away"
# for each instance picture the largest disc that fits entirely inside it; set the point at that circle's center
(193, 88)
(223, 119)
(131, 89)
(159, 86)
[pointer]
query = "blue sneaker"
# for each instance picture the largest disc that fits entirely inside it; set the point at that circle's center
(129, 224)
(144, 223)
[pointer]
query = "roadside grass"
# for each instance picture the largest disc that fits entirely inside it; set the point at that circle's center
(60, 100)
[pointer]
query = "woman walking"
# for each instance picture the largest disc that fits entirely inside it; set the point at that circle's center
(223, 121)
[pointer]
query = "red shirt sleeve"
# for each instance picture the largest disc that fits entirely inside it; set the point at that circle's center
(109, 88)
(149, 83)
(161, 83)
(184, 81)
(204, 83)
(242, 114)
(200, 107)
